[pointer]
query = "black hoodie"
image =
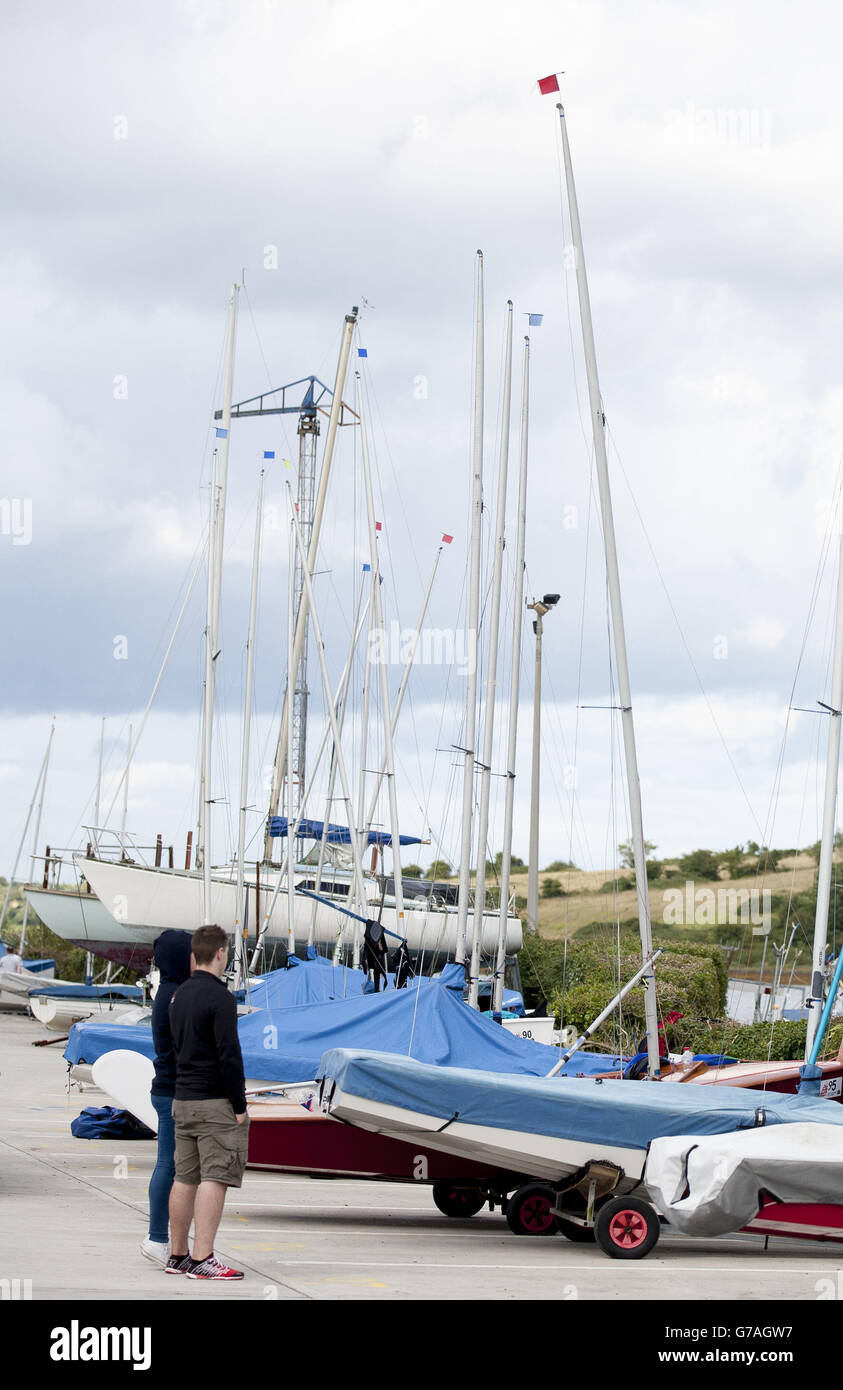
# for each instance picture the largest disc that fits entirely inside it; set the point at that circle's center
(172, 957)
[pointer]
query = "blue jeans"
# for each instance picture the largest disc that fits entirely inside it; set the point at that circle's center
(164, 1172)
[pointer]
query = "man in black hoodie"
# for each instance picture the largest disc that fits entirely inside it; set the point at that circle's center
(172, 957)
(209, 1108)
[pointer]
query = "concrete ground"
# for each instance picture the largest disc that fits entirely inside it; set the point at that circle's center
(72, 1214)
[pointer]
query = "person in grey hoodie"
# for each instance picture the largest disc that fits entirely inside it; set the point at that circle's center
(173, 958)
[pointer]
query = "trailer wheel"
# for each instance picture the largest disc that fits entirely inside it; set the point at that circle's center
(580, 1235)
(458, 1201)
(626, 1228)
(529, 1211)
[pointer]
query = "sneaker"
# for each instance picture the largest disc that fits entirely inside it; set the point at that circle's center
(156, 1250)
(179, 1264)
(212, 1268)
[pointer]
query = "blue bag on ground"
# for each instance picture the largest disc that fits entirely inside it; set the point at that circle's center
(107, 1122)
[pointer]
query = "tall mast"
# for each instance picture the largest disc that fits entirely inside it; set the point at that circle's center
(98, 799)
(239, 943)
(491, 675)
(598, 426)
(41, 774)
(312, 551)
(473, 625)
(219, 492)
(374, 561)
(514, 687)
(832, 771)
(326, 685)
(288, 710)
(341, 706)
(204, 849)
(35, 834)
(125, 813)
(399, 699)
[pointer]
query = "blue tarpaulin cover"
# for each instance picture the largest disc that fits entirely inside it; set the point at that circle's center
(89, 992)
(317, 980)
(337, 834)
(431, 1023)
(624, 1113)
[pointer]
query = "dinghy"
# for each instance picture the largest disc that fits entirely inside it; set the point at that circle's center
(560, 1130)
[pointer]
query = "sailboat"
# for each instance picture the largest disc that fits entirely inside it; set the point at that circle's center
(133, 899)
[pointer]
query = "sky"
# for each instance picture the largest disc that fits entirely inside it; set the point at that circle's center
(358, 154)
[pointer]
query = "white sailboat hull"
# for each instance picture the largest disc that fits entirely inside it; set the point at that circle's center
(143, 902)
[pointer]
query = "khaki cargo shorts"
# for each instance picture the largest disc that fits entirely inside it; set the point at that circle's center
(210, 1145)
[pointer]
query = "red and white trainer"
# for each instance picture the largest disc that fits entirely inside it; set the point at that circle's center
(212, 1268)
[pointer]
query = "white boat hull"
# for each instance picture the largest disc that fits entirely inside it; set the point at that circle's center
(143, 902)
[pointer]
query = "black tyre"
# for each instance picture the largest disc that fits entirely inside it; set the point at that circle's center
(580, 1235)
(529, 1211)
(453, 1200)
(626, 1228)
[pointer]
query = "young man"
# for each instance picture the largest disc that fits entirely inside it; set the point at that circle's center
(172, 955)
(209, 1109)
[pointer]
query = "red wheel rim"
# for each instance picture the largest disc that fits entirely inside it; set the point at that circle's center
(627, 1229)
(535, 1214)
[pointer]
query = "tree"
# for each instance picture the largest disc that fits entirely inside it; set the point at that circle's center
(627, 856)
(559, 866)
(701, 863)
(412, 871)
(440, 868)
(552, 888)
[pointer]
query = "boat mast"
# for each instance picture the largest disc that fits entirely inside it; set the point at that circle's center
(374, 561)
(326, 685)
(598, 425)
(832, 772)
(399, 699)
(219, 492)
(341, 705)
(239, 943)
(281, 758)
(288, 710)
(41, 774)
(98, 798)
(491, 675)
(125, 814)
(39, 790)
(514, 687)
(473, 625)
(204, 844)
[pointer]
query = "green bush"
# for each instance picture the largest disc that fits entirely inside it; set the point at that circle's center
(699, 864)
(551, 888)
(617, 885)
(559, 866)
(690, 979)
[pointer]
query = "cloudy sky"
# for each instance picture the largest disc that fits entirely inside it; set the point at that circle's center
(345, 154)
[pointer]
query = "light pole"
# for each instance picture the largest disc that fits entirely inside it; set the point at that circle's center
(539, 607)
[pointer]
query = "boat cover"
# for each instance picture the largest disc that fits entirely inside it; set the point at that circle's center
(625, 1114)
(337, 834)
(430, 1023)
(316, 980)
(59, 991)
(709, 1186)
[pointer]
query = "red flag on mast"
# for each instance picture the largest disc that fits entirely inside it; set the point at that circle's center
(549, 84)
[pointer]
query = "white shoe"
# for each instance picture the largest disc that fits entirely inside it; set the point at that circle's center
(156, 1250)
